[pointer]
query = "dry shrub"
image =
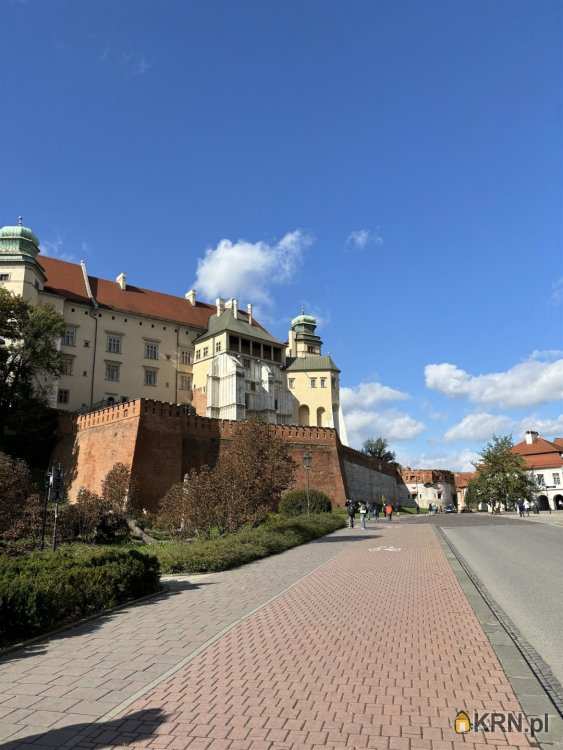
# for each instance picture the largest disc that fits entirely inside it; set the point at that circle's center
(244, 486)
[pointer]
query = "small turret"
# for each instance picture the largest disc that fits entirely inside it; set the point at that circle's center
(20, 270)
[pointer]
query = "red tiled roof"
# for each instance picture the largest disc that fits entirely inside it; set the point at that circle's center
(540, 445)
(541, 454)
(462, 478)
(543, 461)
(66, 280)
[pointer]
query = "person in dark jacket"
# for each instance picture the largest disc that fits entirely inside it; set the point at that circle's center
(351, 510)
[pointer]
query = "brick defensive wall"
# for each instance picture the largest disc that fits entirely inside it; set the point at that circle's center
(162, 442)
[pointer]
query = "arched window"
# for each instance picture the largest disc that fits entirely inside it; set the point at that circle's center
(320, 416)
(304, 415)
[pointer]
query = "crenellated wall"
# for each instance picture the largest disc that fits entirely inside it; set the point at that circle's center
(161, 442)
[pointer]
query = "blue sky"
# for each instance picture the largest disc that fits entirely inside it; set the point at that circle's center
(394, 166)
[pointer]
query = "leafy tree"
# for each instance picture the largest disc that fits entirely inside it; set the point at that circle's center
(379, 448)
(28, 359)
(502, 478)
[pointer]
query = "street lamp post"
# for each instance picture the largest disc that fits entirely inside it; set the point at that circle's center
(307, 460)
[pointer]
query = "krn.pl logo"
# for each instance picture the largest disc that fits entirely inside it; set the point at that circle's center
(462, 722)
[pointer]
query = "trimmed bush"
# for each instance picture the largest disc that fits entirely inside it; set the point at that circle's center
(294, 503)
(44, 590)
(248, 544)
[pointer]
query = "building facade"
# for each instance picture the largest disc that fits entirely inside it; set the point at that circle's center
(123, 342)
(544, 462)
(425, 486)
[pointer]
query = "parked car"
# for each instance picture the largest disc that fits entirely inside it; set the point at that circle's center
(450, 509)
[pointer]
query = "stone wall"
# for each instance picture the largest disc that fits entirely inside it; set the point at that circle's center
(162, 442)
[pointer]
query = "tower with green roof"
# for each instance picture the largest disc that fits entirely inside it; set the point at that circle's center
(312, 378)
(20, 270)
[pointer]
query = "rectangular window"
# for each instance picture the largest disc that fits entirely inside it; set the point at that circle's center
(150, 377)
(4, 277)
(185, 357)
(185, 383)
(291, 382)
(245, 346)
(323, 382)
(205, 351)
(252, 386)
(68, 363)
(63, 396)
(112, 372)
(198, 354)
(234, 343)
(313, 382)
(540, 479)
(556, 480)
(311, 349)
(151, 350)
(113, 343)
(246, 364)
(267, 349)
(256, 349)
(218, 346)
(69, 336)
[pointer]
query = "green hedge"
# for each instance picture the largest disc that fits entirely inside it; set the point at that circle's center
(272, 537)
(44, 590)
(294, 503)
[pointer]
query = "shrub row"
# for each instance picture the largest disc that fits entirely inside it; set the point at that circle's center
(44, 590)
(294, 503)
(247, 545)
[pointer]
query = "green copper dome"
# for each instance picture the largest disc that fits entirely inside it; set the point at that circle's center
(304, 320)
(18, 239)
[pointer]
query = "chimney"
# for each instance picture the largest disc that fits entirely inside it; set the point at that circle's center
(190, 296)
(234, 305)
(121, 280)
(531, 437)
(249, 312)
(220, 302)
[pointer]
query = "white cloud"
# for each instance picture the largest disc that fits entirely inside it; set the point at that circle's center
(362, 424)
(458, 461)
(55, 249)
(479, 426)
(550, 427)
(368, 394)
(247, 270)
(534, 381)
(361, 238)
(557, 292)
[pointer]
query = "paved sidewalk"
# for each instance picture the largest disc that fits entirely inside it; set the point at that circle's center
(360, 654)
(555, 518)
(78, 676)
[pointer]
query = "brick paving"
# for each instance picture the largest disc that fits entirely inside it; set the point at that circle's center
(362, 653)
(75, 678)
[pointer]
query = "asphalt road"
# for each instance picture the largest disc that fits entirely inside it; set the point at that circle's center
(521, 565)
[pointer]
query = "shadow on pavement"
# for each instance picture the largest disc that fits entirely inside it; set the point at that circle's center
(122, 731)
(169, 588)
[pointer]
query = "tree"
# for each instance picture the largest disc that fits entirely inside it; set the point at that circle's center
(28, 359)
(242, 488)
(502, 479)
(379, 448)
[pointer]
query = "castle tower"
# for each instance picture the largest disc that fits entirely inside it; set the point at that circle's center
(312, 378)
(20, 271)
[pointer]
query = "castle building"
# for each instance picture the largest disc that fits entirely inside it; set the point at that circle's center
(123, 342)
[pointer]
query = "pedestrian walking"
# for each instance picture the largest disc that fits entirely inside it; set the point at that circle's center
(378, 509)
(520, 508)
(351, 510)
(389, 511)
(363, 513)
(527, 507)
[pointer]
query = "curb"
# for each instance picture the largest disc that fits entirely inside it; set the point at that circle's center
(535, 686)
